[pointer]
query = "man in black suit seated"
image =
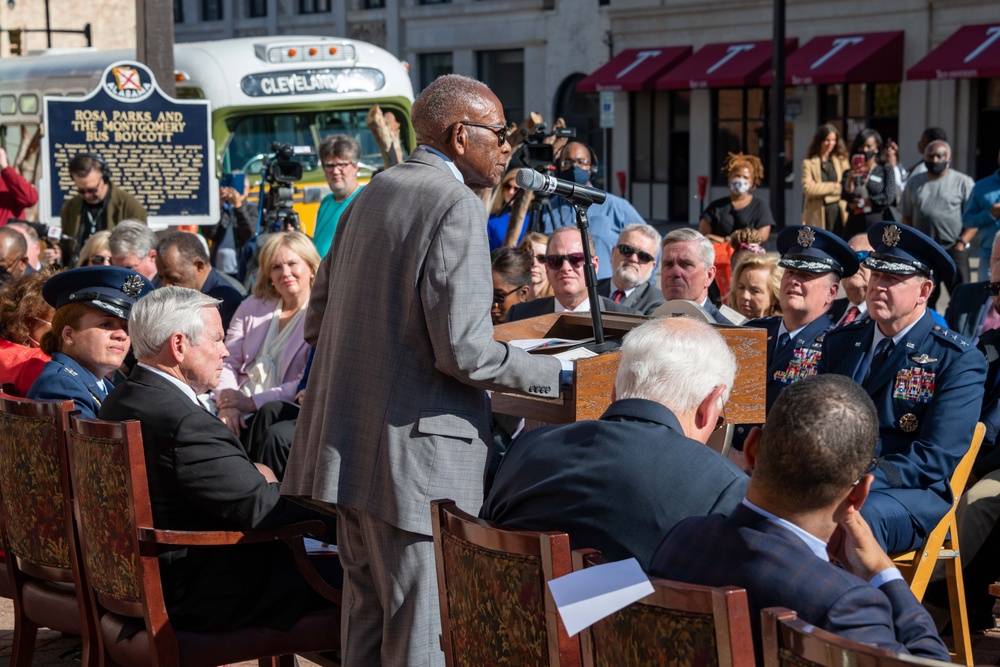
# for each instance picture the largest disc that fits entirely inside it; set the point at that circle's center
(811, 475)
(853, 307)
(970, 310)
(200, 477)
(687, 269)
(564, 264)
(633, 260)
(182, 261)
(619, 483)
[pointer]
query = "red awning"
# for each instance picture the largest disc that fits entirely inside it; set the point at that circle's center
(875, 57)
(723, 65)
(971, 53)
(633, 69)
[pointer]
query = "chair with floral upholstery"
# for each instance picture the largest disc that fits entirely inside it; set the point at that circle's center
(496, 608)
(676, 624)
(119, 546)
(39, 536)
(789, 642)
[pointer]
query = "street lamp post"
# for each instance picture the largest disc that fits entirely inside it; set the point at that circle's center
(777, 144)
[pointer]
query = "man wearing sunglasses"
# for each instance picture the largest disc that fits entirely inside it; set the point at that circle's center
(619, 483)
(564, 262)
(853, 307)
(633, 260)
(397, 412)
(13, 254)
(99, 204)
(926, 382)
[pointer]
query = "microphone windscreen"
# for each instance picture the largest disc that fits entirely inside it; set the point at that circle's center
(528, 179)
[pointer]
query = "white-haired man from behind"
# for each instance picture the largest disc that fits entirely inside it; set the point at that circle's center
(674, 377)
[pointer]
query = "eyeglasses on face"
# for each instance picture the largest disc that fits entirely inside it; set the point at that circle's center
(540, 258)
(88, 191)
(499, 130)
(99, 259)
(555, 262)
(872, 465)
(334, 166)
(10, 266)
(499, 296)
(627, 250)
(567, 163)
(993, 289)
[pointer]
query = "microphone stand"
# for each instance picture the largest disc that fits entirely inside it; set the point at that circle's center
(581, 203)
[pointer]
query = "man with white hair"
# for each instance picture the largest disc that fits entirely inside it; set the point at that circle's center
(687, 269)
(633, 259)
(133, 245)
(619, 483)
(200, 477)
(933, 202)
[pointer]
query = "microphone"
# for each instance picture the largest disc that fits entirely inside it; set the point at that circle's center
(529, 179)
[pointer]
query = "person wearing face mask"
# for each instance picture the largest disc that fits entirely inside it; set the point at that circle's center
(869, 188)
(576, 162)
(741, 209)
(933, 203)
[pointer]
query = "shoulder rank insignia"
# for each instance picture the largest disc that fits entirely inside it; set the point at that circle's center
(908, 422)
(71, 371)
(922, 359)
(915, 385)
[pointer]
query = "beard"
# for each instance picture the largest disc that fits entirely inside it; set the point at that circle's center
(627, 277)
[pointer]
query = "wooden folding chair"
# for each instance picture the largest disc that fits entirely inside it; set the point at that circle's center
(120, 546)
(942, 544)
(676, 624)
(42, 548)
(789, 642)
(495, 605)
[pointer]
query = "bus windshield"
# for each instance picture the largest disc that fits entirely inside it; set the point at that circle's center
(251, 136)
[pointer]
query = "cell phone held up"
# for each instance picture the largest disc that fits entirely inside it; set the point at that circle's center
(858, 161)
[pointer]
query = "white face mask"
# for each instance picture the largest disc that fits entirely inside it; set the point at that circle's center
(740, 186)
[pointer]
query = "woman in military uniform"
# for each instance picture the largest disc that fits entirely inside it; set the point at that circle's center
(89, 335)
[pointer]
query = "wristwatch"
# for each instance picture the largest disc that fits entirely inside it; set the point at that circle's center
(964, 244)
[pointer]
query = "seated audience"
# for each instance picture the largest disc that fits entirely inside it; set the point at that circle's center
(536, 243)
(811, 476)
(133, 245)
(756, 282)
(24, 318)
(273, 426)
(511, 280)
(96, 251)
(633, 260)
(200, 477)
(88, 339)
(33, 261)
(853, 306)
(620, 483)
(265, 340)
(564, 262)
(182, 261)
(13, 254)
(687, 269)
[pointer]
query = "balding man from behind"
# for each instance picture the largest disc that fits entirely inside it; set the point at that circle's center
(396, 413)
(13, 254)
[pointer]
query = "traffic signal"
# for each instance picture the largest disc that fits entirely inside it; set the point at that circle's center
(15, 42)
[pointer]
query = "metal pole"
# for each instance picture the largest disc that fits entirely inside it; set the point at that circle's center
(777, 143)
(48, 25)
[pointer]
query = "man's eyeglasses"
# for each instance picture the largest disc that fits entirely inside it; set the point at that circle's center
(334, 166)
(862, 255)
(540, 258)
(10, 266)
(721, 420)
(88, 191)
(872, 465)
(94, 260)
(555, 262)
(567, 163)
(499, 130)
(499, 296)
(628, 251)
(993, 289)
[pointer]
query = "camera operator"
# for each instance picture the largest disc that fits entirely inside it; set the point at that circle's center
(576, 162)
(339, 155)
(237, 221)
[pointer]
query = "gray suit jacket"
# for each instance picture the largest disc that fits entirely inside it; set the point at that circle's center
(396, 412)
(645, 298)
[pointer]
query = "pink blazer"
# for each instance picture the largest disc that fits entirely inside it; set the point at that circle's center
(244, 339)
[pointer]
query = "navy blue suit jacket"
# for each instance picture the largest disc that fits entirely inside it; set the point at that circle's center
(617, 484)
(714, 312)
(989, 455)
(777, 569)
(967, 309)
(63, 378)
(218, 288)
(546, 305)
(928, 394)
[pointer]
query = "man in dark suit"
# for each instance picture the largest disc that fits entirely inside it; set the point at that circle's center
(200, 477)
(853, 306)
(926, 381)
(968, 308)
(687, 269)
(564, 264)
(619, 483)
(811, 476)
(182, 261)
(633, 260)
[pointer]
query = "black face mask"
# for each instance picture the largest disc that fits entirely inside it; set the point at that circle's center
(936, 168)
(870, 154)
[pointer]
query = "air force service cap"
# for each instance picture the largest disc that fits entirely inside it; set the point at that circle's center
(815, 250)
(904, 250)
(113, 289)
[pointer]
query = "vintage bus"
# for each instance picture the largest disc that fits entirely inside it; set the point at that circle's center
(262, 90)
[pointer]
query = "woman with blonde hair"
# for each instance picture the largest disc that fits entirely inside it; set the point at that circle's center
(826, 161)
(537, 244)
(266, 343)
(96, 251)
(756, 280)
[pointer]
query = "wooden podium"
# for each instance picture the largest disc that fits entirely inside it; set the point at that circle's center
(595, 377)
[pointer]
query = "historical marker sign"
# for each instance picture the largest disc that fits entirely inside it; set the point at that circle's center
(157, 148)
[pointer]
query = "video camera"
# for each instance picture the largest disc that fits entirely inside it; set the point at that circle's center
(281, 171)
(538, 154)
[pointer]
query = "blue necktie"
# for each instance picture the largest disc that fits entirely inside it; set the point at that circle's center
(882, 352)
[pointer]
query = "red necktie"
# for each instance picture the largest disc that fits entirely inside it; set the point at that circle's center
(618, 296)
(850, 315)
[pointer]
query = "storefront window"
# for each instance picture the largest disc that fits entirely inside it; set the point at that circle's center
(855, 106)
(741, 123)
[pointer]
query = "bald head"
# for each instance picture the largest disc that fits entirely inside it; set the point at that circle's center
(13, 253)
(450, 98)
